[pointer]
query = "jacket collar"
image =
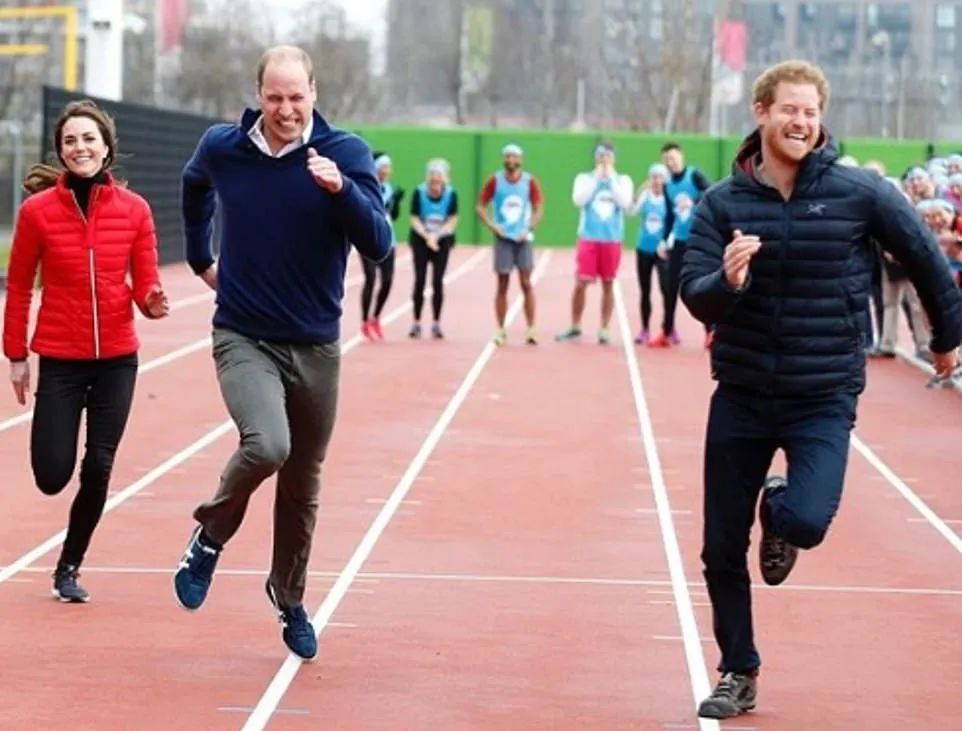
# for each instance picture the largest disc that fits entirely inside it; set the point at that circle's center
(106, 188)
(749, 152)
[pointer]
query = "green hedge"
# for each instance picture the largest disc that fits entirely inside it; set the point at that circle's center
(555, 157)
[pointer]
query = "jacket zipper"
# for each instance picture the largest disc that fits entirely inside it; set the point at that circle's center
(779, 302)
(91, 270)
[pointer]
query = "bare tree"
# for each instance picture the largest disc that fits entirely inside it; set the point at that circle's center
(676, 79)
(220, 52)
(341, 61)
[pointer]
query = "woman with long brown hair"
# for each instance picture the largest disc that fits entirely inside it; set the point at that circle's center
(95, 246)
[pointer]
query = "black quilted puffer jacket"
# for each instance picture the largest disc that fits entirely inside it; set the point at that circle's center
(796, 327)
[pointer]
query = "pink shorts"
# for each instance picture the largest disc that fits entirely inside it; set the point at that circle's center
(598, 259)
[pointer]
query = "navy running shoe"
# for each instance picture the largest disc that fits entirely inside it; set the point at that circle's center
(298, 631)
(195, 571)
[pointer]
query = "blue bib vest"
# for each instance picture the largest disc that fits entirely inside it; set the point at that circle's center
(652, 230)
(602, 219)
(683, 196)
(434, 212)
(512, 204)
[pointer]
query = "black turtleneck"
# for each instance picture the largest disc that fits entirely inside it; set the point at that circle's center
(81, 187)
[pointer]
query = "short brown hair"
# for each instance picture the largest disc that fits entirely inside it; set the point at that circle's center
(43, 176)
(284, 53)
(793, 72)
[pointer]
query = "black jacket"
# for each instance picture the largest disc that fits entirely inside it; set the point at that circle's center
(796, 327)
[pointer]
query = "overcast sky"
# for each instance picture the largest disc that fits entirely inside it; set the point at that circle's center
(364, 16)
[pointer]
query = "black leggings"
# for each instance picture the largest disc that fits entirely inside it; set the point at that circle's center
(367, 291)
(675, 257)
(105, 388)
(439, 263)
(644, 264)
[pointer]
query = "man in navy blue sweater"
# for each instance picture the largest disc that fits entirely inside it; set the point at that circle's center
(293, 193)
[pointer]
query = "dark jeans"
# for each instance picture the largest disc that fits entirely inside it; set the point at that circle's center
(283, 399)
(65, 388)
(744, 431)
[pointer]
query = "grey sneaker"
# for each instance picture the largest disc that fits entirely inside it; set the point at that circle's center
(65, 585)
(572, 333)
(734, 694)
(776, 556)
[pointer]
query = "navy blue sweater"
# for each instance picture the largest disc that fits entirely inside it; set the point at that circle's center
(284, 239)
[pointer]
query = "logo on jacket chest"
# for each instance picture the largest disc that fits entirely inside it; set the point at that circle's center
(816, 209)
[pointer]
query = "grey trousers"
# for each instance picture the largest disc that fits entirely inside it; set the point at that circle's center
(283, 399)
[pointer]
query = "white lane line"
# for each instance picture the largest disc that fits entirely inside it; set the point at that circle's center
(285, 675)
(697, 670)
(698, 590)
(906, 492)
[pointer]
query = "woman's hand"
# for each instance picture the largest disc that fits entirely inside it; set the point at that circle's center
(155, 304)
(20, 380)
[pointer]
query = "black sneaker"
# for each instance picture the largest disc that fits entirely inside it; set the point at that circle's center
(734, 694)
(65, 586)
(776, 556)
(298, 631)
(195, 572)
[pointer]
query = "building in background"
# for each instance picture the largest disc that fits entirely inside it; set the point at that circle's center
(653, 64)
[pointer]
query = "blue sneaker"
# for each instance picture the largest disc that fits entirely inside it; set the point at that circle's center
(195, 572)
(298, 631)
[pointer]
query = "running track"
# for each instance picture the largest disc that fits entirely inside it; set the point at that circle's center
(508, 540)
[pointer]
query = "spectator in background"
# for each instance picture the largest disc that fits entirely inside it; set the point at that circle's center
(684, 189)
(954, 193)
(651, 250)
(604, 196)
(517, 203)
(434, 218)
(918, 184)
(873, 324)
(391, 197)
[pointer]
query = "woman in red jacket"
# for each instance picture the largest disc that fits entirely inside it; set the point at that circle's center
(94, 243)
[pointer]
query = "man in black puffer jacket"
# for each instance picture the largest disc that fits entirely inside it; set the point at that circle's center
(779, 259)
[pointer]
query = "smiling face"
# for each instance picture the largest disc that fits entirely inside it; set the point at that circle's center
(82, 146)
(436, 183)
(512, 163)
(286, 97)
(790, 125)
(674, 160)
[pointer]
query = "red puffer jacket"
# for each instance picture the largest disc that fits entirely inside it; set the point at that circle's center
(85, 310)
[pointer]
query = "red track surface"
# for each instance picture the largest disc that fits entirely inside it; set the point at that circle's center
(522, 583)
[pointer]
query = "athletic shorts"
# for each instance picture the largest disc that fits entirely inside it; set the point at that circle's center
(509, 254)
(598, 260)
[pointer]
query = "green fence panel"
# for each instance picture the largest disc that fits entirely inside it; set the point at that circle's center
(896, 155)
(946, 148)
(555, 157)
